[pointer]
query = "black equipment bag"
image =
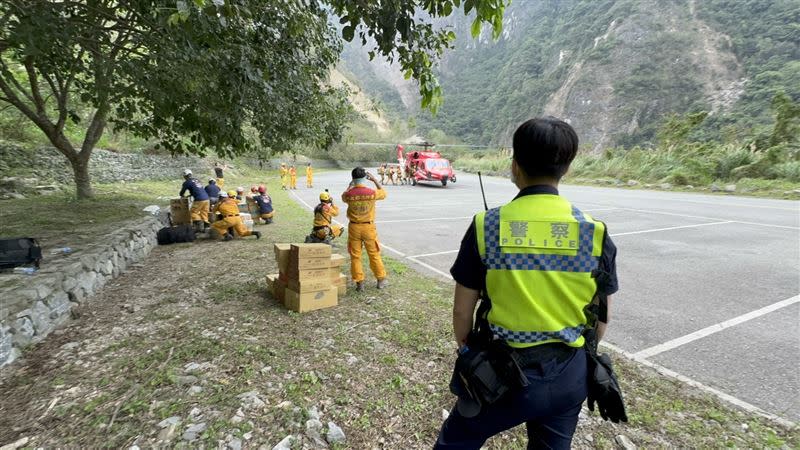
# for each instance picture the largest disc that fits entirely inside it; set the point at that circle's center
(176, 234)
(18, 252)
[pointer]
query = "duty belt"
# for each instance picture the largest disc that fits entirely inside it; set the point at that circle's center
(538, 354)
(361, 223)
(321, 227)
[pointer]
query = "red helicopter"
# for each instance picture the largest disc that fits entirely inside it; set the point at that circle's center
(426, 165)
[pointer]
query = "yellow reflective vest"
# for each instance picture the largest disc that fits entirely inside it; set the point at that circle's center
(540, 253)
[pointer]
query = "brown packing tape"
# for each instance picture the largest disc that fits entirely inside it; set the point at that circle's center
(311, 250)
(337, 260)
(311, 301)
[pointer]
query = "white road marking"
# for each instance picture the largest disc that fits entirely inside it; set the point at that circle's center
(707, 331)
(392, 250)
(709, 218)
(684, 379)
(430, 267)
(670, 228)
(434, 254)
(423, 220)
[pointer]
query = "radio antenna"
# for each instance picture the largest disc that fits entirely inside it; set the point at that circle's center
(483, 194)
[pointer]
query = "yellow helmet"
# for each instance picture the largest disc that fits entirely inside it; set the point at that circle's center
(232, 193)
(324, 196)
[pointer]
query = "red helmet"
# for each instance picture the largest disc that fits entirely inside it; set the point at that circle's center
(262, 189)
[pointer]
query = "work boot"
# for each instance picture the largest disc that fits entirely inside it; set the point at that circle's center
(257, 234)
(382, 283)
(360, 286)
(227, 237)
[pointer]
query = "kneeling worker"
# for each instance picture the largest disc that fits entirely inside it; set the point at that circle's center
(361, 229)
(324, 230)
(228, 208)
(200, 203)
(264, 205)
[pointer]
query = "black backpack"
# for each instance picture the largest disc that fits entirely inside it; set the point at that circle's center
(176, 234)
(18, 252)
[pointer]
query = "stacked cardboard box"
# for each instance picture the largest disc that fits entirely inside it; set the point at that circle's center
(179, 211)
(308, 277)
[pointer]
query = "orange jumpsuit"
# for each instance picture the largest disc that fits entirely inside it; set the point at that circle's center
(284, 177)
(309, 177)
(293, 178)
(229, 209)
(361, 230)
(323, 219)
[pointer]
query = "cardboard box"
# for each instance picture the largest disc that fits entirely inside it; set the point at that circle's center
(341, 280)
(311, 301)
(271, 280)
(308, 263)
(312, 285)
(333, 273)
(309, 274)
(341, 290)
(302, 251)
(179, 211)
(282, 252)
(280, 289)
(337, 260)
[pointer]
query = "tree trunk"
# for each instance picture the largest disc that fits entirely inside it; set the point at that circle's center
(83, 181)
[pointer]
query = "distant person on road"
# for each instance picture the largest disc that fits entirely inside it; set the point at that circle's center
(200, 203)
(293, 177)
(545, 272)
(382, 172)
(361, 230)
(263, 201)
(309, 176)
(390, 174)
(284, 176)
(228, 209)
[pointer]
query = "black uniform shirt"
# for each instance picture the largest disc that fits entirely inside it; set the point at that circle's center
(469, 271)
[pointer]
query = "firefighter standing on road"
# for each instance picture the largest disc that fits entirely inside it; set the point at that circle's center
(293, 177)
(284, 176)
(539, 262)
(309, 176)
(382, 172)
(361, 230)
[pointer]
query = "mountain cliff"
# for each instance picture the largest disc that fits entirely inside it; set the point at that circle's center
(613, 68)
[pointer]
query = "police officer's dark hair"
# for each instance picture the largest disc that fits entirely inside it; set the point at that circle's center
(545, 147)
(358, 172)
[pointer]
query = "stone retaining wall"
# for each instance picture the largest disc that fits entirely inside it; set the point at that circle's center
(31, 306)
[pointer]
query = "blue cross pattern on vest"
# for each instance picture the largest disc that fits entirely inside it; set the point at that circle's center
(495, 259)
(567, 335)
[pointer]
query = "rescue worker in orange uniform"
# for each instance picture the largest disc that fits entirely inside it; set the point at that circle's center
(284, 176)
(309, 176)
(324, 229)
(382, 172)
(389, 175)
(361, 230)
(293, 177)
(398, 172)
(228, 208)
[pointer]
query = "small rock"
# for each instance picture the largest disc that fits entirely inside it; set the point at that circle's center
(745, 427)
(689, 186)
(194, 431)
(430, 364)
(730, 188)
(335, 434)
(633, 183)
(313, 413)
(251, 400)
(238, 417)
(624, 442)
(186, 380)
(715, 188)
(249, 435)
(285, 444)
(195, 413)
(134, 447)
(266, 370)
(589, 438)
(69, 346)
(16, 444)
(194, 390)
(445, 414)
(234, 444)
(313, 425)
(284, 404)
(174, 420)
(352, 360)
(665, 186)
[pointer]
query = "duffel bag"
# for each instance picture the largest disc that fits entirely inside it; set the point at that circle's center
(19, 252)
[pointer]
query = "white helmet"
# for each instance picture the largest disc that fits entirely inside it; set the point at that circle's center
(186, 172)
(223, 194)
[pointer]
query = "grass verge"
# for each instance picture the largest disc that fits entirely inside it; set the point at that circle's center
(192, 334)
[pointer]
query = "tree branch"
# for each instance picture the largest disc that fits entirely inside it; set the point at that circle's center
(33, 80)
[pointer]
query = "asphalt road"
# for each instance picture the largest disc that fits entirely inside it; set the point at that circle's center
(709, 285)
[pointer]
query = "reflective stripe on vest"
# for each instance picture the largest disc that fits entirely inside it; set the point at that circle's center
(539, 288)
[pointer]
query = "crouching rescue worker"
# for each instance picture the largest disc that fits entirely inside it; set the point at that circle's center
(228, 209)
(324, 229)
(361, 230)
(541, 268)
(200, 203)
(263, 205)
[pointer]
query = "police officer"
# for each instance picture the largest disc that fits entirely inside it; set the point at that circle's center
(537, 261)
